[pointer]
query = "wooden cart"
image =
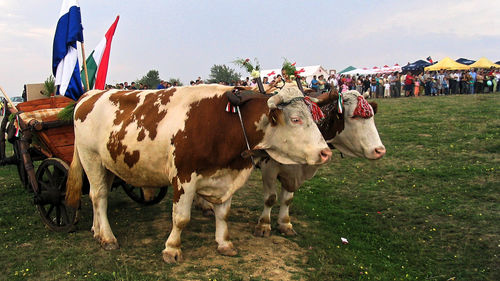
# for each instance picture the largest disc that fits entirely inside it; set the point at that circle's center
(37, 135)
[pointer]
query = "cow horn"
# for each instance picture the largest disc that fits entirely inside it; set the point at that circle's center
(273, 101)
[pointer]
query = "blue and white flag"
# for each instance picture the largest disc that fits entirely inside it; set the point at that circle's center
(65, 67)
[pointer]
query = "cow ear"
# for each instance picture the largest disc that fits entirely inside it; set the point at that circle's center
(328, 97)
(275, 117)
(374, 106)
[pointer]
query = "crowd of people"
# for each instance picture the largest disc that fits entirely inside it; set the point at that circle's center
(429, 83)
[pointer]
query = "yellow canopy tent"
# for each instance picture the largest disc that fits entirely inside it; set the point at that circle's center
(483, 63)
(447, 64)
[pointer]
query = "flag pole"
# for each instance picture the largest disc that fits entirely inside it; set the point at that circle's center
(8, 99)
(85, 68)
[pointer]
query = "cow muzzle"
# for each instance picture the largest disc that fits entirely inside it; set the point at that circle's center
(378, 152)
(325, 155)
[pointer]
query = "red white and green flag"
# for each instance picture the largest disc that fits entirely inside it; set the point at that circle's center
(97, 62)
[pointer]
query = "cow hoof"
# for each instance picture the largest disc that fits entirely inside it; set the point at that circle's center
(262, 231)
(172, 255)
(227, 250)
(287, 231)
(208, 213)
(108, 246)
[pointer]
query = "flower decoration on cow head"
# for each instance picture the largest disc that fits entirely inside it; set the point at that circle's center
(247, 64)
(288, 69)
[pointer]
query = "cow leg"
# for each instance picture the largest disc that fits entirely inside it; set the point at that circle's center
(225, 246)
(263, 227)
(284, 225)
(181, 214)
(100, 180)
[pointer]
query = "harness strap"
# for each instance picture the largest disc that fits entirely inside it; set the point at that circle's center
(245, 134)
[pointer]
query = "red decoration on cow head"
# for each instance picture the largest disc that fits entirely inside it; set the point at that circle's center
(364, 109)
(316, 112)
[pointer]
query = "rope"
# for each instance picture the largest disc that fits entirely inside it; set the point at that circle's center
(245, 134)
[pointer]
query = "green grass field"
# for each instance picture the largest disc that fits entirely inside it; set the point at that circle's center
(429, 210)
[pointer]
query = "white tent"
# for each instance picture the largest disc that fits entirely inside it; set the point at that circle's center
(308, 72)
(360, 71)
(374, 70)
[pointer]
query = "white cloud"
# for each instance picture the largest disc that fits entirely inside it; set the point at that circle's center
(24, 31)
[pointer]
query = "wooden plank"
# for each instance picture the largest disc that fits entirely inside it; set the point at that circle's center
(59, 141)
(65, 153)
(67, 129)
(53, 102)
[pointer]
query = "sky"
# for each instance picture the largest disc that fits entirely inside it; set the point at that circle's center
(184, 39)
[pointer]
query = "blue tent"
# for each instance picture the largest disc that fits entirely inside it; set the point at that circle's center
(465, 61)
(418, 65)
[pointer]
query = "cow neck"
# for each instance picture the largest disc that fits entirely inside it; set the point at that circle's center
(333, 123)
(251, 112)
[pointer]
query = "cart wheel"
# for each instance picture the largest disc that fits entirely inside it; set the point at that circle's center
(137, 194)
(51, 177)
(21, 170)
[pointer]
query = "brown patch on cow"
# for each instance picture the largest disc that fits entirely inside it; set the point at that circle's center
(178, 190)
(116, 147)
(212, 139)
(374, 106)
(130, 110)
(131, 158)
(84, 108)
(288, 202)
(271, 200)
(226, 235)
(264, 220)
(276, 117)
(333, 123)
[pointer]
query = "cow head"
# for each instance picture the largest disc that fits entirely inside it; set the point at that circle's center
(359, 137)
(290, 134)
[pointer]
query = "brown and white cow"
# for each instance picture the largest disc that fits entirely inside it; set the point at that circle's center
(184, 138)
(352, 132)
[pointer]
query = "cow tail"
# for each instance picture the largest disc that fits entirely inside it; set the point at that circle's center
(75, 181)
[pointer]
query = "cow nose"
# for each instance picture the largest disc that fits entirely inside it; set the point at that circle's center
(379, 152)
(325, 155)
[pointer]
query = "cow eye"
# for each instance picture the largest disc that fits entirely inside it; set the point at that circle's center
(296, 120)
